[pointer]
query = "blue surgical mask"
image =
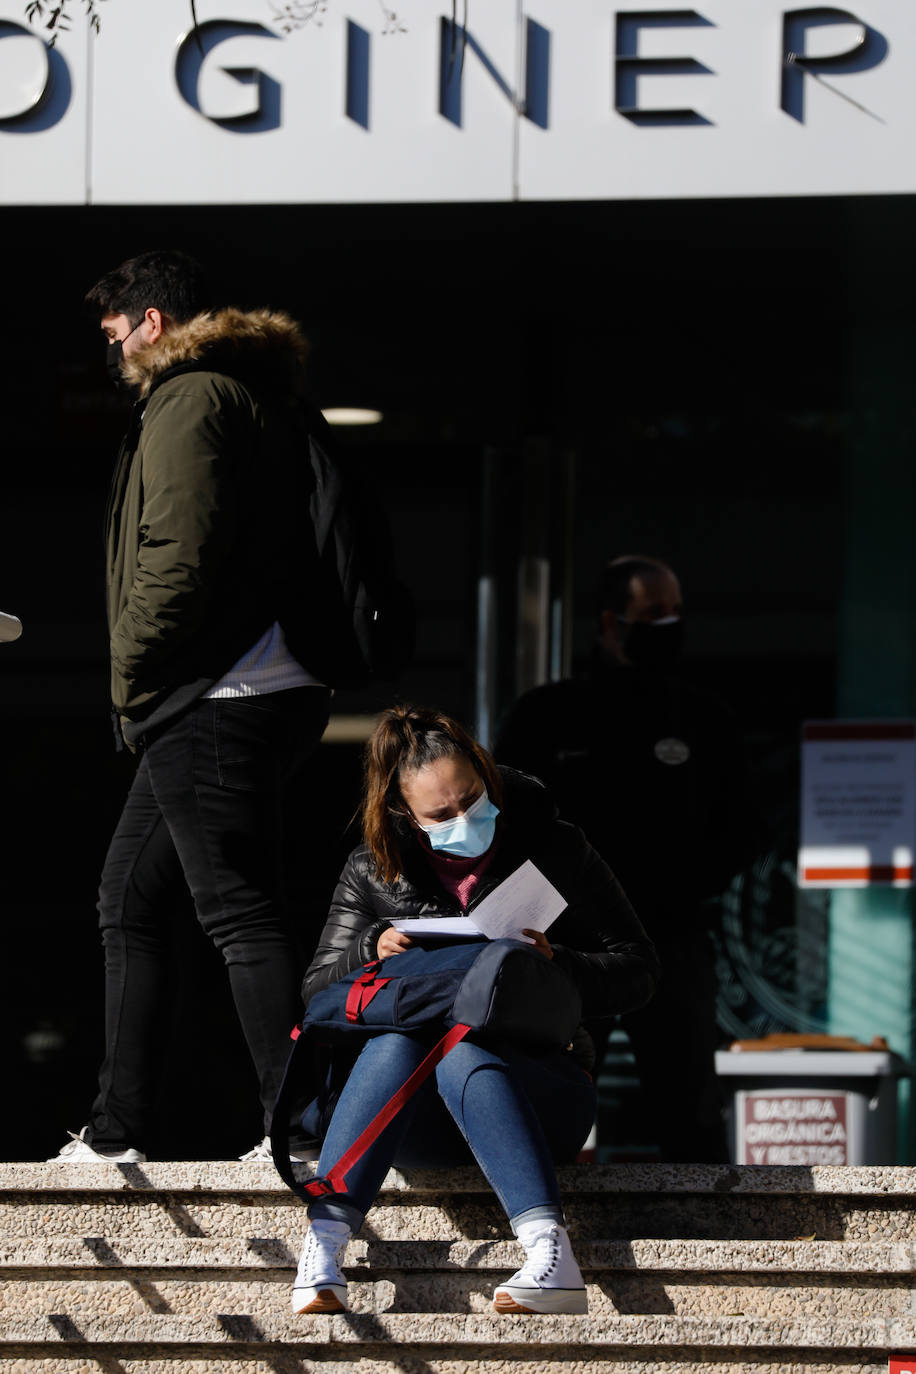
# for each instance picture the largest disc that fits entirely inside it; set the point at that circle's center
(469, 835)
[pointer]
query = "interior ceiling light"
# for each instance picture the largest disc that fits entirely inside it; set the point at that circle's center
(351, 415)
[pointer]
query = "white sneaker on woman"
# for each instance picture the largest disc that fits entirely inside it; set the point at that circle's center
(549, 1280)
(320, 1286)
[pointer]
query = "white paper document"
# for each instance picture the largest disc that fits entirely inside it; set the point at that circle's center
(442, 927)
(523, 900)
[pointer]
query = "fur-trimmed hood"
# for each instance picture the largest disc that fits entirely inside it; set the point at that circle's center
(263, 347)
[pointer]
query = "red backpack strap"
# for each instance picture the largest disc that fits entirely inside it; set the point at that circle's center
(362, 991)
(333, 1182)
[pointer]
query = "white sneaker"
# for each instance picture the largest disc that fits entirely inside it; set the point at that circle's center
(549, 1280)
(261, 1154)
(320, 1286)
(78, 1151)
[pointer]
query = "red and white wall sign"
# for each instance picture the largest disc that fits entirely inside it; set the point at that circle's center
(858, 803)
(902, 1364)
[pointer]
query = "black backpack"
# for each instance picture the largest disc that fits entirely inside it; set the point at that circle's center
(359, 623)
(344, 611)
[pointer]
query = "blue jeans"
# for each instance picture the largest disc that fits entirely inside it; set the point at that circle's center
(204, 812)
(512, 1112)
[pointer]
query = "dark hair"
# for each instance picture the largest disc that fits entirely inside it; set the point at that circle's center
(406, 739)
(167, 280)
(615, 583)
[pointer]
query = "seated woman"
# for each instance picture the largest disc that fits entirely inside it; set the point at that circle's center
(442, 827)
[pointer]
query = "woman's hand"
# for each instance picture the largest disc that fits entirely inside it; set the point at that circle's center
(392, 941)
(540, 940)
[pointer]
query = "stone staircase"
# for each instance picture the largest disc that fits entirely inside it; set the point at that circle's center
(186, 1269)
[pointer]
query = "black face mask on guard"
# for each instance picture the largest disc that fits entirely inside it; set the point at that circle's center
(653, 644)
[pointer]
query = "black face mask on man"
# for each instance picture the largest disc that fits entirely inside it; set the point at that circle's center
(114, 356)
(652, 644)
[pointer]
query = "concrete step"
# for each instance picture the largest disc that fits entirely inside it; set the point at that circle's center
(231, 1176)
(603, 1361)
(608, 1202)
(130, 1269)
(291, 1359)
(20, 1256)
(267, 1296)
(193, 1277)
(427, 1335)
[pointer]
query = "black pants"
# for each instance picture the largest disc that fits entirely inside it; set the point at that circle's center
(205, 808)
(674, 1040)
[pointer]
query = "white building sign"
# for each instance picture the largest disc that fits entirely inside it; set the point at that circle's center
(536, 100)
(858, 803)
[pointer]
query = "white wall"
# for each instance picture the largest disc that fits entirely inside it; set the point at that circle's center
(116, 127)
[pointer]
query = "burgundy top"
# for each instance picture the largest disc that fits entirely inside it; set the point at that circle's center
(460, 876)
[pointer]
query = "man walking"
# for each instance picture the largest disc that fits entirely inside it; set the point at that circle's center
(207, 576)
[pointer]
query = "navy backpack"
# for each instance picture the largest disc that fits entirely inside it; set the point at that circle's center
(504, 989)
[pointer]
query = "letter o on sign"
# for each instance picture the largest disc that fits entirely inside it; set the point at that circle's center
(35, 86)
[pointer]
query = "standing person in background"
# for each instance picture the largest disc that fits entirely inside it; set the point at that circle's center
(212, 681)
(653, 770)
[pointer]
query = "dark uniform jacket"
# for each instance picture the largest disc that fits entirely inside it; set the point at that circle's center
(653, 770)
(598, 940)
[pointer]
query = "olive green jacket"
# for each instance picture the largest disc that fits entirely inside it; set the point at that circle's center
(203, 535)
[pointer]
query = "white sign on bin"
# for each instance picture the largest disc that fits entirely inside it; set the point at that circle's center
(858, 803)
(793, 1126)
(812, 1107)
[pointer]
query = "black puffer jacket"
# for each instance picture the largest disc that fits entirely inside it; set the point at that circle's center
(598, 940)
